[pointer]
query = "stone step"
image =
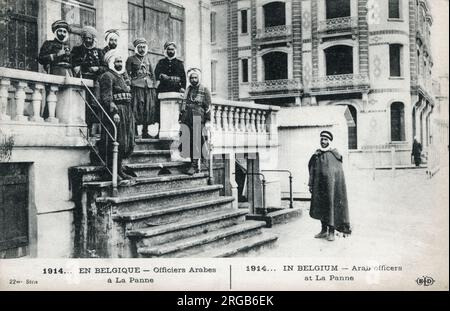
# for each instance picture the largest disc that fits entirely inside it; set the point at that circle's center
(203, 242)
(167, 198)
(242, 247)
(152, 184)
(157, 235)
(171, 214)
(154, 169)
(149, 156)
(152, 144)
(89, 173)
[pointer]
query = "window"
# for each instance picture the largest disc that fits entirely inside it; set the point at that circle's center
(397, 121)
(339, 60)
(274, 14)
(244, 65)
(244, 21)
(213, 76)
(395, 60)
(394, 8)
(213, 26)
(275, 66)
(78, 16)
(337, 8)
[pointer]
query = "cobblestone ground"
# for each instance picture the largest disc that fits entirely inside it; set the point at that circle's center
(402, 218)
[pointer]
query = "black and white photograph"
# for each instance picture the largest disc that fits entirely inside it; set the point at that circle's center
(219, 145)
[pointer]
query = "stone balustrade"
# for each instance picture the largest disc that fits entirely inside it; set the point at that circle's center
(340, 23)
(275, 31)
(23, 96)
(233, 124)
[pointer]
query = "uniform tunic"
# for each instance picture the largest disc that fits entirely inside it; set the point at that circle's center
(329, 193)
(143, 84)
(87, 58)
(53, 64)
(175, 70)
(116, 98)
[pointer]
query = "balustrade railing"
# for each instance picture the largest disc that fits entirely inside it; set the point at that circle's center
(24, 94)
(339, 23)
(344, 80)
(274, 31)
(276, 85)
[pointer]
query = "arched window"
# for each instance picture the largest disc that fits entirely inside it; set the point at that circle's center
(337, 8)
(275, 66)
(397, 121)
(274, 14)
(339, 60)
(353, 130)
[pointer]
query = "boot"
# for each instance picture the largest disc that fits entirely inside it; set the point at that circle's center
(323, 233)
(123, 175)
(330, 236)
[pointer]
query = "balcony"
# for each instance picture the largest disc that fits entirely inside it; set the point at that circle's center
(276, 85)
(335, 84)
(339, 24)
(274, 34)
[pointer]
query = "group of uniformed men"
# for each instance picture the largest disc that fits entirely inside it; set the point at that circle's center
(128, 92)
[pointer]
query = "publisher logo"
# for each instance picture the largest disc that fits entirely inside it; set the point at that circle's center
(425, 281)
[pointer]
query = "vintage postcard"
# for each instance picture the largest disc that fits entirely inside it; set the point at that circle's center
(224, 145)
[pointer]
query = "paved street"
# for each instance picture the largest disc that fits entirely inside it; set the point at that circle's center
(402, 219)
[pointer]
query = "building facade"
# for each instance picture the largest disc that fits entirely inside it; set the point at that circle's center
(372, 56)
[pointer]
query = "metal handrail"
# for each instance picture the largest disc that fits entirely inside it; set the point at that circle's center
(113, 137)
(291, 199)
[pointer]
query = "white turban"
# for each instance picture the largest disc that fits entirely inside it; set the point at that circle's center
(110, 57)
(111, 33)
(196, 71)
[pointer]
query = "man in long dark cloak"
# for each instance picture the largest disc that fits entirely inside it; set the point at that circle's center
(328, 190)
(116, 100)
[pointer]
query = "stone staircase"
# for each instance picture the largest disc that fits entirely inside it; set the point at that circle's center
(170, 215)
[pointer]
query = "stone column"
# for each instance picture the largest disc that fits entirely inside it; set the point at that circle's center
(169, 111)
(20, 101)
(36, 99)
(51, 102)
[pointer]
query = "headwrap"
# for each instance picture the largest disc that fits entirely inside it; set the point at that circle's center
(166, 46)
(326, 134)
(196, 71)
(89, 31)
(60, 24)
(140, 41)
(110, 57)
(111, 33)
(169, 43)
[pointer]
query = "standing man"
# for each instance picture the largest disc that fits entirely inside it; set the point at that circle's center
(87, 62)
(328, 190)
(55, 54)
(143, 86)
(195, 120)
(416, 152)
(170, 71)
(111, 39)
(116, 100)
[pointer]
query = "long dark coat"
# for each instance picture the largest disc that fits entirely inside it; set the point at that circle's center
(116, 98)
(329, 193)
